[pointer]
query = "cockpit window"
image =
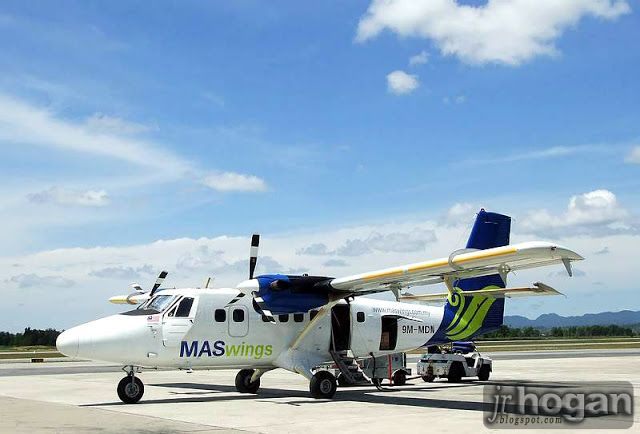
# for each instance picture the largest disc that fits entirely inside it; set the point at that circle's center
(159, 303)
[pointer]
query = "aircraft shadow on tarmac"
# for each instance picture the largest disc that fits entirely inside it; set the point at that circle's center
(197, 392)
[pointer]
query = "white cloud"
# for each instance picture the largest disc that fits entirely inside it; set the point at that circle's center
(505, 32)
(553, 152)
(104, 124)
(456, 100)
(594, 213)
(634, 156)
(231, 181)
(314, 249)
(33, 280)
(24, 124)
(401, 83)
(63, 196)
(419, 59)
(398, 242)
(123, 272)
(335, 263)
(460, 213)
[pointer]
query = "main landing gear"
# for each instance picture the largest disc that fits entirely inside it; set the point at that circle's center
(323, 385)
(130, 388)
(248, 381)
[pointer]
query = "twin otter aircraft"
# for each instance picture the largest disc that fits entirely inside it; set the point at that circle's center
(299, 322)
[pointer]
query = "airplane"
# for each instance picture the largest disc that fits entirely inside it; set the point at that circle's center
(298, 322)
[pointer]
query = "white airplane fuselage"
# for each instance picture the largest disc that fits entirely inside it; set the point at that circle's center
(239, 338)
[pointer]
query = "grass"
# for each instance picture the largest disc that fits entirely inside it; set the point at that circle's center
(35, 351)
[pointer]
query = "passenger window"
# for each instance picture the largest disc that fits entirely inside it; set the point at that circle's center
(312, 314)
(238, 315)
(360, 316)
(184, 307)
(220, 315)
(265, 318)
(298, 317)
(283, 318)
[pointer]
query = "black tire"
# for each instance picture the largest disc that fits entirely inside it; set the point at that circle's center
(129, 391)
(244, 384)
(456, 371)
(399, 378)
(323, 385)
(428, 378)
(484, 373)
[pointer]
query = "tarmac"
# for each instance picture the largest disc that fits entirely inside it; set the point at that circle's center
(74, 397)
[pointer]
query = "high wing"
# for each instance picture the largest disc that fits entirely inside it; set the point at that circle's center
(459, 265)
(538, 288)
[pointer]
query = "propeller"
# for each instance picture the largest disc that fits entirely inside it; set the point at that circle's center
(252, 286)
(136, 297)
(159, 280)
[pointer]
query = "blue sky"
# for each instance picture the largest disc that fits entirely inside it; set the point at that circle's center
(124, 123)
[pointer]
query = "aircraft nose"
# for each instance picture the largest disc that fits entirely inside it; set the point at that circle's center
(68, 343)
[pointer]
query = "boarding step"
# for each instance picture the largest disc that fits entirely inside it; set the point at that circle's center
(348, 366)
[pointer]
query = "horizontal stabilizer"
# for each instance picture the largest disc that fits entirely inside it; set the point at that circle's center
(538, 288)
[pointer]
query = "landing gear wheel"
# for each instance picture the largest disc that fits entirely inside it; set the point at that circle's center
(484, 373)
(323, 385)
(244, 384)
(428, 378)
(455, 373)
(130, 389)
(399, 378)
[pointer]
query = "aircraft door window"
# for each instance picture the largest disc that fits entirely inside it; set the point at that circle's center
(360, 316)
(283, 318)
(220, 315)
(312, 314)
(184, 308)
(298, 317)
(238, 315)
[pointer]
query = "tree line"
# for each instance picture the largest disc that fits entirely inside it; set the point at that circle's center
(506, 332)
(29, 337)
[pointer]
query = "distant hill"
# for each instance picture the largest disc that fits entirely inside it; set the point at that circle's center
(624, 317)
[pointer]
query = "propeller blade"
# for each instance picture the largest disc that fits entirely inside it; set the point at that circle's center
(253, 254)
(260, 306)
(159, 281)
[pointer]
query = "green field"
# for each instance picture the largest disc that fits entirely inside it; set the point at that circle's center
(38, 351)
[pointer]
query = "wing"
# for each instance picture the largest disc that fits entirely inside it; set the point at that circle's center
(462, 265)
(538, 288)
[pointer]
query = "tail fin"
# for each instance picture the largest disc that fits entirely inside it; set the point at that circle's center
(465, 317)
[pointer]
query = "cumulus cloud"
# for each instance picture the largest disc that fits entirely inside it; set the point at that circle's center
(398, 242)
(64, 196)
(459, 213)
(203, 257)
(603, 251)
(594, 213)
(634, 156)
(335, 263)
(123, 272)
(401, 83)
(314, 249)
(34, 280)
(231, 181)
(419, 59)
(502, 32)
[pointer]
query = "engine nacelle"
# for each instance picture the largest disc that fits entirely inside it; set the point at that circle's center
(284, 294)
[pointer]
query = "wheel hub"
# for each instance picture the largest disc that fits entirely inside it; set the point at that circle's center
(131, 389)
(325, 386)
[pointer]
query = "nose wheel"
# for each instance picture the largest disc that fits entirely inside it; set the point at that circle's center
(130, 388)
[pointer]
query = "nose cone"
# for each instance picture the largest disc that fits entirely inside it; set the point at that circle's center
(67, 343)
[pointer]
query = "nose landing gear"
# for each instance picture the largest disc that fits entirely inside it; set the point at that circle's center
(130, 388)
